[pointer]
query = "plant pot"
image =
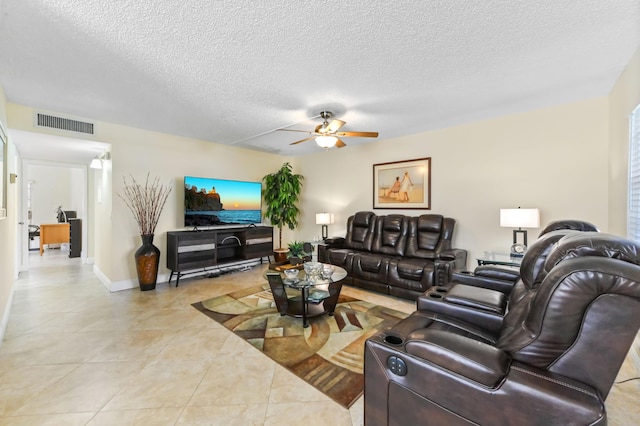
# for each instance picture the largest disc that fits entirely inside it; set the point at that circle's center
(294, 260)
(280, 254)
(147, 260)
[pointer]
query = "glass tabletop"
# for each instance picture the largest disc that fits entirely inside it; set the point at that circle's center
(498, 258)
(303, 281)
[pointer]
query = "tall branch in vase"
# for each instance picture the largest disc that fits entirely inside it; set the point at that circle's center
(145, 202)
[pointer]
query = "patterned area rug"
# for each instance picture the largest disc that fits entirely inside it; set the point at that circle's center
(329, 354)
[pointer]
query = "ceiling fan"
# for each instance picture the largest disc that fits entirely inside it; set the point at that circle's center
(327, 135)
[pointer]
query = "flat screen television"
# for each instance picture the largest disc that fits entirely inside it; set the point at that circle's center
(214, 202)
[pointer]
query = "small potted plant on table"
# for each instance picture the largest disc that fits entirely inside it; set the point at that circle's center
(297, 253)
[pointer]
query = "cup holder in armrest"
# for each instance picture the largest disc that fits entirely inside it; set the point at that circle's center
(441, 289)
(435, 295)
(393, 340)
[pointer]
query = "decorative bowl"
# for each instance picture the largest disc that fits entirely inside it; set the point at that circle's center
(312, 268)
(291, 273)
(327, 271)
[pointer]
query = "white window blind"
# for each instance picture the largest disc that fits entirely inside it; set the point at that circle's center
(633, 202)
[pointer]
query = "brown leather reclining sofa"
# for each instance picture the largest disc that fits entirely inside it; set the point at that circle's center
(396, 254)
(550, 360)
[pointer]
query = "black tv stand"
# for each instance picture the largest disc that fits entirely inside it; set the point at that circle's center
(190, 252)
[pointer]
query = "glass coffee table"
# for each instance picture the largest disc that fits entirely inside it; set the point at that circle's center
(306, 297)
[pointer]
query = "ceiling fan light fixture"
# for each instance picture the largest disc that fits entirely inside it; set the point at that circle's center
(326, 141)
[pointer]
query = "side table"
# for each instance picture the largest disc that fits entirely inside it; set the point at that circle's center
(496, 258)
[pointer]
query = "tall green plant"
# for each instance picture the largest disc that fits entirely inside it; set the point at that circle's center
(282, 190)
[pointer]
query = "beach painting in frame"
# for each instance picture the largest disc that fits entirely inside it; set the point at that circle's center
(402, 184)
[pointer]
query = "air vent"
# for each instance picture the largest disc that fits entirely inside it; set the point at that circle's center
(44, 120)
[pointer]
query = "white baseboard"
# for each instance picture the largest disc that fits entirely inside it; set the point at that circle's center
(7, 314)
(102, 277)
(129, 284)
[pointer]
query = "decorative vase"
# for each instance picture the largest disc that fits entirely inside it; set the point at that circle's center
(147, 260)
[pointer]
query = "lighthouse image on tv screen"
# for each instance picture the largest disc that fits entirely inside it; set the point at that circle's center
(211, 202)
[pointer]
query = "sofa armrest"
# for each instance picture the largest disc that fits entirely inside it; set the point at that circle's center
(469, 358)
(447, 262)
(334, 242)
(497, 272)
(458, 256)
(492, 283)
(478, 306)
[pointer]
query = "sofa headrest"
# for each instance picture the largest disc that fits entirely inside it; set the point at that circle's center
(392, 222)
(577, 225)
(430, 223)
(532, 267)
(363, 219)
(596, 244)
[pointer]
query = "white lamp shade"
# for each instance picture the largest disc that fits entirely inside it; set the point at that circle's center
(326, 141)
(520, 218)
(324, 218)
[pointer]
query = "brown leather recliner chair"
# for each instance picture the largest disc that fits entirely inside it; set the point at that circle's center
(576, 225)
(503, 279)
(552, 362)
(486, 307)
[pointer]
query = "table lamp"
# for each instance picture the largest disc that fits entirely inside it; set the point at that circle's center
(519, 218)
(324, 219)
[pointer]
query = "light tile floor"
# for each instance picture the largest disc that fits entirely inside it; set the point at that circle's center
(75, 354)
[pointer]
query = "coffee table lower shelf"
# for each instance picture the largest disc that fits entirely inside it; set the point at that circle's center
(295, 308)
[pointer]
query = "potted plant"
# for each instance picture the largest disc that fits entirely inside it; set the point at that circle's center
(146, 203)
(297, 253)
(281, 194)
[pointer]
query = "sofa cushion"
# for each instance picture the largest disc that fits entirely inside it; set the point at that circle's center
(341, 257)
(425, 233)
(390, 234)
(369, 262)
(360, 228)
(416, 275)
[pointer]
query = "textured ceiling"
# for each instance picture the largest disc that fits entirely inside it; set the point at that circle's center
(231, 71)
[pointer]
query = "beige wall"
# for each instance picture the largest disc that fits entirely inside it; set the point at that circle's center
(553, 159)
(137, 152)
(624, 97)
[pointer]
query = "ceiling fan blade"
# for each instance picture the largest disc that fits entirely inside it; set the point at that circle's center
(357, 134)
(294, 130)
(334, 126)
(302, 140)
(340, 144)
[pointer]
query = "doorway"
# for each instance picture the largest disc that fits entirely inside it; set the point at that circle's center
(55, 176)
(52, 192)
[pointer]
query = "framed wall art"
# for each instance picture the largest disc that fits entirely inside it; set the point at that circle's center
(402, 184)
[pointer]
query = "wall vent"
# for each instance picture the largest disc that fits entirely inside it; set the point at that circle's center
(44, 120)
